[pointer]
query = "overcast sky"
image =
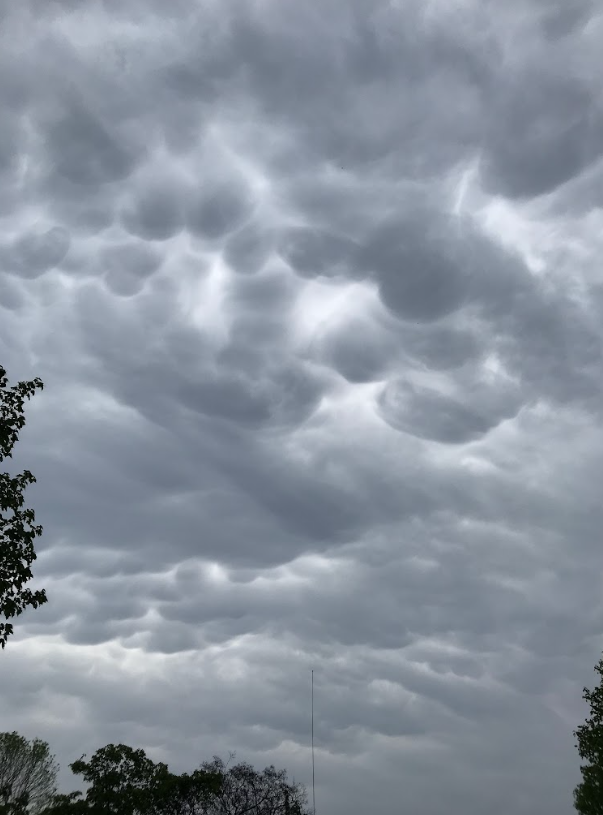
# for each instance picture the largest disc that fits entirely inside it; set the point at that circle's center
(315, 290)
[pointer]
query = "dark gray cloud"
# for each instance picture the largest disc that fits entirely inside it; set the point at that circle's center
(155, 214)
(425, 413)
(248, 249)
(37, 251)
(83, 151)
(418, 281)
(314, 290)
(316, 253)
(127, 265)
(555, 121)
(217, 210)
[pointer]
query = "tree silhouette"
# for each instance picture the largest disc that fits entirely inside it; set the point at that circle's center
(17, 525)
(588, 795)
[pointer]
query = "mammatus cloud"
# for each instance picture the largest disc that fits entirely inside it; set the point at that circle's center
(315, 293)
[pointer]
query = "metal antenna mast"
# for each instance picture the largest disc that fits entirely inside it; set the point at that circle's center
(313, 789)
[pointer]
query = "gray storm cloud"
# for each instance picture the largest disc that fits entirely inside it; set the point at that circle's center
(314, 290)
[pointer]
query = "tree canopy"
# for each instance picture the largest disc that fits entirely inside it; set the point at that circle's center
(18, 529)
(27, 774)
(588, 795)
(124, 780)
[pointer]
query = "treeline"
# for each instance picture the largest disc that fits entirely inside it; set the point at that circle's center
(125, 781)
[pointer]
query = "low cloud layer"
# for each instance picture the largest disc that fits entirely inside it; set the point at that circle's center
(315, 293)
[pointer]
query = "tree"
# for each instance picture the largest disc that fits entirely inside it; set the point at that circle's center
(246, 791)
(27, 774)
(125, 781)
(588, 795)
(187, 794)
(122, 780)
(17, 525)
(71, 804)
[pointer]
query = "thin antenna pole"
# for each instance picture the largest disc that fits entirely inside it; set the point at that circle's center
(313, 789)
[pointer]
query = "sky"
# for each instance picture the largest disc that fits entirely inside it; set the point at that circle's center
(315, 292)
